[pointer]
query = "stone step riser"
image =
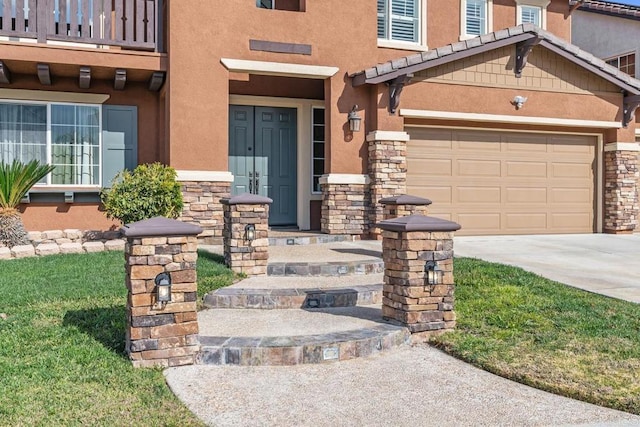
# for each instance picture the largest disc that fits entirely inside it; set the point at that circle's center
(325, 269)
(268, 299)
(285, 351)
(309, 240)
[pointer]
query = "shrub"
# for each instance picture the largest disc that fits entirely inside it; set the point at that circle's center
(150, 190)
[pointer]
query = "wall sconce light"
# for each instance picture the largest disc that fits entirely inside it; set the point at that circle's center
(250, 232)
(163, 288)
(434, 274)
(354, 119)
(519, 101)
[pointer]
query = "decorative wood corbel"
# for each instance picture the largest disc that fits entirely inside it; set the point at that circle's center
(44, 74)
(5, 73)
(395, 89)
(631, 104)
(156, 81)
(84, 81)
(120, 79)
(523, 49)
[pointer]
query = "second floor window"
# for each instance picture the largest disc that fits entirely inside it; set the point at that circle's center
(625, 63)
(531, 15)
(398, 20)
(475, 17)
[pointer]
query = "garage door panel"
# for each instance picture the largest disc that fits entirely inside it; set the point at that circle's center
(526, 169)
(526, 195)
(526, 221)
(571, 170)
(479, 221)
(477, 194)
(470, 167)
(431, 167)
(525, 183)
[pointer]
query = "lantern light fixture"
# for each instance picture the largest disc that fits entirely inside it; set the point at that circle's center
(434, 274)
(354, 119)
(250, 232)
(163, 288)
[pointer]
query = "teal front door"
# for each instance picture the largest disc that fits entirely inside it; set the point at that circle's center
(262, 157)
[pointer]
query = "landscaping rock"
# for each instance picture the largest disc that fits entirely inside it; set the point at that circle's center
(5, 253)
(71, 248)
(92, 235)
(35, 236)
(114, 245)
(47, 249)
(23, 251)
(111, 235)
(3, 316)
(63, 240)
(90, 247)
(72, 234)
(52, 234)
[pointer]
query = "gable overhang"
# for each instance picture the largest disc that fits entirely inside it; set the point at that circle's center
(282, 69)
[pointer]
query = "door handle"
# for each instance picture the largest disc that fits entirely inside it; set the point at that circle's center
(251, 186)
(257, 182)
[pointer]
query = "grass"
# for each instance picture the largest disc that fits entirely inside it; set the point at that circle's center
(62, 359)
(547, 335)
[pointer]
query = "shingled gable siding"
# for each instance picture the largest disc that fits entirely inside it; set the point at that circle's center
(545, 71)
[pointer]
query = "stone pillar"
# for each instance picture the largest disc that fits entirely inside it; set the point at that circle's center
(201, 193)
(408, 244)
(387, 169)
(345, 204)
(161, 334)
(242, 255)
(621, 187)
(403, 205)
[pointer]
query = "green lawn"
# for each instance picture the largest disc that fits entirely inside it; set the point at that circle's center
(547, 335)
(62, 358)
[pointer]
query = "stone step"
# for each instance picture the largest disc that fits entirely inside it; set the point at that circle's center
(332, 268)
(292, 337)
(288, 298)
(301, 238)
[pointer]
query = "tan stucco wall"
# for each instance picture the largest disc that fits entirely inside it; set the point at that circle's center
(42, 217)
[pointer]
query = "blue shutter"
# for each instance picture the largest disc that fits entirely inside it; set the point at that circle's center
(383, 32)
(119, 140)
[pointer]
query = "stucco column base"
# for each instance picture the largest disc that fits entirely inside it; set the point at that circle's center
(387, 170)
(621, 188)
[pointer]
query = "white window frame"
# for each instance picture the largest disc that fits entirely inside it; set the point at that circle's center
(48, 105)
(463, 20)
(618, 57)
(421, 44)
(542, 4)
(313, 141)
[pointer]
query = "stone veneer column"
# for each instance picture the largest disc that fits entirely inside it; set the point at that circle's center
(387, 169)
(201, 193)
(161, 335)
(621, 187)
(407, 244)
(241, 255)
(345, 204)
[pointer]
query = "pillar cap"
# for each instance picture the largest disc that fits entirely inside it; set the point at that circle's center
(405, 199)
(246, 199)
(418, 223)
(160, 226)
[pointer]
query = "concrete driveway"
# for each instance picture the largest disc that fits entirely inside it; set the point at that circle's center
(602, 263)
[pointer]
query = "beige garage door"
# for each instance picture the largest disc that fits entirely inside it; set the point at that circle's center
(505, 182)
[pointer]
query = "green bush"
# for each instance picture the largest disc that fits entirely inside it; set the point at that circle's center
(150, 190)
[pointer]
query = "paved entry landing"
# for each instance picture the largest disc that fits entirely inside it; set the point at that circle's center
(602, 263)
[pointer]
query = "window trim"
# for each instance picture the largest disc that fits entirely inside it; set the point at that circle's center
(617, 57)
(421, 44)
(463, 20)
(542, 4)
(312, 157)
(48, 104)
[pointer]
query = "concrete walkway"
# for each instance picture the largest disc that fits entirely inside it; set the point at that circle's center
(411, 386)
(601, 263)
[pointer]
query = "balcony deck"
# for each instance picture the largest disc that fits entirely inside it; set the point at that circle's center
(131, 24)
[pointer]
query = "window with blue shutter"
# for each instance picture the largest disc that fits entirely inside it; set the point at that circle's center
(399, 20)
(476, 17)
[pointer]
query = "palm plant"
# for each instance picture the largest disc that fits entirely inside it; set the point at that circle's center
(16, 179)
